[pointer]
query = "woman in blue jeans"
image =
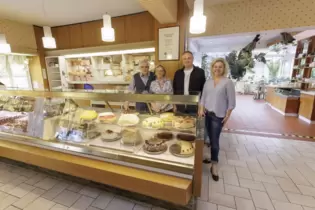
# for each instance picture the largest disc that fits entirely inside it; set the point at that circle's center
(216, 105)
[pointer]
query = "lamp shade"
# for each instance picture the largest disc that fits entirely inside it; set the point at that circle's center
(198, 21)
(49, 42)
(4, 46)
(198, 24)
(108, 33)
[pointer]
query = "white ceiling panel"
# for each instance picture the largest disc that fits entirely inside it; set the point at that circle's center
(63, 12)
(225, 43)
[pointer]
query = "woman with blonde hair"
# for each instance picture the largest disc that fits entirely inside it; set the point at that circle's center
(216, 105)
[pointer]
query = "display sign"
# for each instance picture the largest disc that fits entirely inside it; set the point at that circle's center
(169, 43)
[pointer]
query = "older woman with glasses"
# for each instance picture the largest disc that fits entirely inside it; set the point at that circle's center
(161, 85)
(216, 105)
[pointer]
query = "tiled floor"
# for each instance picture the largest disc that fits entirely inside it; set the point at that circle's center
(256, 173)
(261, 173)
(256, 115)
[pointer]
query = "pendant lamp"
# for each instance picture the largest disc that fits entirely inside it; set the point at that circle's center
(198, 21)
(108, 33)
(49, 42)
(4, 46)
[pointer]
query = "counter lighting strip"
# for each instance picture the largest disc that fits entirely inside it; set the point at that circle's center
(118, 52)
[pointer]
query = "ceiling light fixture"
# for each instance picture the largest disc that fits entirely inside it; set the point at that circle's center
(198, 21)
(4, 46)
(49, 42)
(108, 33)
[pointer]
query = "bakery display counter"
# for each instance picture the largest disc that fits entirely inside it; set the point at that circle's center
(165, 144)
(283, 100)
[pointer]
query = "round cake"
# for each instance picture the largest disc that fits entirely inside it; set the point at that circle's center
(130, 137)
(165, 135)
(183, 122)
(186, 148)
(110, 135)
(152, 122)
(107, 117)
(128, 120)
(167, 117)
(155, 145)
(185, 137)
(88, 115)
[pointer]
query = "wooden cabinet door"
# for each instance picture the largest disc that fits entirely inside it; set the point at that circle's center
(118, 24)
(62, 36)
(270, 94)
(75, 36)
(139, 27)
(306, 105)
(91, 33)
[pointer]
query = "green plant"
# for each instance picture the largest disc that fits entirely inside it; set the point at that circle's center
(273, 66)
(205, 63)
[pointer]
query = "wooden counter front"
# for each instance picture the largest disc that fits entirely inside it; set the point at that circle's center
(286, 105)
(307, 108)
(164, 187)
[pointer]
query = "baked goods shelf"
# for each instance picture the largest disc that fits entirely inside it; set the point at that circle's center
(131, 150)
(69, 111)
(144, 139)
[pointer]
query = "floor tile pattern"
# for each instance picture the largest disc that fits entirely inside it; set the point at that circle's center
(256, 173)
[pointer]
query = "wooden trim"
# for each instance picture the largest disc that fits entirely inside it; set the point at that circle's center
(94, 20)
(160, 186)
(198, 168)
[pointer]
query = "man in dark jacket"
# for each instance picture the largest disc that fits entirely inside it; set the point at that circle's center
(188, 80)
(140, 84)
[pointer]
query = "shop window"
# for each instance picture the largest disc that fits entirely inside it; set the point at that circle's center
(14, 72)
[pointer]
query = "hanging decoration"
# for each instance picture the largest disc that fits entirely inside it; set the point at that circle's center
(108, 33)
(244, 61)
(4, 46)
(198, 21)
(49, 42)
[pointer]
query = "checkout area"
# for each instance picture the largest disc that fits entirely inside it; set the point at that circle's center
(292, 101)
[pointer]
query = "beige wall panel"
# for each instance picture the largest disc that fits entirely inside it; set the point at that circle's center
(21, 37)
(164, 11)
(258, 15)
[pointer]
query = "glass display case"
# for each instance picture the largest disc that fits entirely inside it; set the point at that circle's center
(161, 142)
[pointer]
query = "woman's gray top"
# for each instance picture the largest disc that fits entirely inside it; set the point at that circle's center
(220, 98)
